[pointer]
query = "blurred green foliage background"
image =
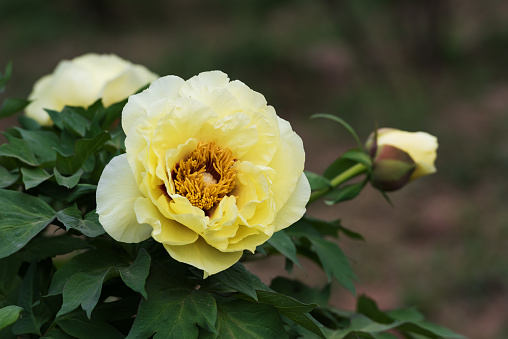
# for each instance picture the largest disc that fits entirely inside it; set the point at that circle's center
(433, 65)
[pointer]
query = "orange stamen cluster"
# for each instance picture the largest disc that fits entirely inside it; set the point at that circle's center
(206, 175)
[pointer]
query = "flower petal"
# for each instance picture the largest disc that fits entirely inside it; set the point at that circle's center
(288, 163)
(128, 82)
(137, 106)
(165, 230)
(294, 208)
(204, 256)
(116, 194)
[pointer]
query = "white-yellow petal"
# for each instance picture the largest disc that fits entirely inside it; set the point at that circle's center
(165, 230)
(420, 146)
(116, 194)
(203, 256)
(294, 208)
(288, 164)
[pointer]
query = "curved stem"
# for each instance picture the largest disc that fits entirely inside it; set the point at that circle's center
(338, 180)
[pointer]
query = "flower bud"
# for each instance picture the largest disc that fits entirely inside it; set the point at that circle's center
(400, 157)
(392, 168)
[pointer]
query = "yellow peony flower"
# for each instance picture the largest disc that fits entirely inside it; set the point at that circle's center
(82, 81)
(210, 171)
(420, 146)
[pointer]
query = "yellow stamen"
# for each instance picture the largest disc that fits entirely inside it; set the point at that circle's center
(206, 175)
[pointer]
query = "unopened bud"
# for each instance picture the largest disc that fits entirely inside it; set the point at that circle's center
(392, 168)
(400, 157)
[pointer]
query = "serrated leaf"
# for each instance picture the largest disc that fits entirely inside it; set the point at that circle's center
(9, 315)
(242, 319)
(135, 275)
(71, 217)
(32, 177)
(7, 178)
(34, 313)
(22, 216)
(239, 279)
(173, 311)
(316, 181)
(283, 243)
(291, 308)
(12, 106)
(78, 325)
(70, 181)
(45, 247)
(83, 288)
(334, 262)
(344, 193)
(19, 149)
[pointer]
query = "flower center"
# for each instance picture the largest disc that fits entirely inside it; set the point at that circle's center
(206, 175)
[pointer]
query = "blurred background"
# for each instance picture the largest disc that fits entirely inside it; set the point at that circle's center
(433, 65)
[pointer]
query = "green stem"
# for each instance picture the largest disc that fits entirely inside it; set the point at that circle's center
(338, 180)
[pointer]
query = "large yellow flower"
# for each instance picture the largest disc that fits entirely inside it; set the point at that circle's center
(210, 171)
(83, 80)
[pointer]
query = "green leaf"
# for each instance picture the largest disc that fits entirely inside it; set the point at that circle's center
(239, 279)
(10, 282)
(135, 275)
(285, 245)
(70, 119)
(334, 262)
(42, 143)
(7, 178)
(78, 325)
(34, 313)
(69, 182)
(19, 149)
(4, 78)
(83, 288)
(9, 315)
(291, 308)
(11, 106)
(337, 167)
(242, 319)
(45, 247)
(82, 150)
(173, 310)
(22, 216)
(360, 324)
(93, 263)
(344, 193)
(72, 218)
(300, 291)
(56, 333)
(343, 123)
(368, 307)
(358, 156)
(316, 181)
(32, 177)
